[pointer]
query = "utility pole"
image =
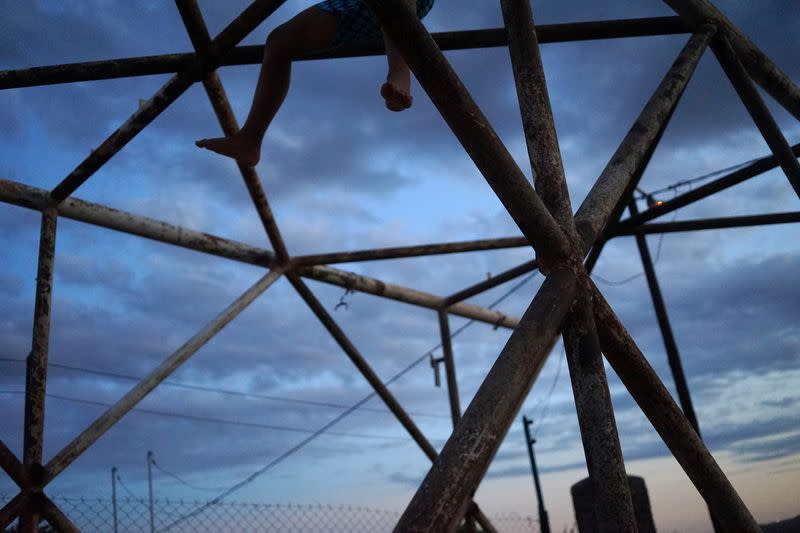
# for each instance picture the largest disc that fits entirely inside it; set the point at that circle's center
(150, 489)
(114, 495)
(544, 521)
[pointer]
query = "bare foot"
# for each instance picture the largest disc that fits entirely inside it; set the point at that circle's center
(238, 147)
(396, 94)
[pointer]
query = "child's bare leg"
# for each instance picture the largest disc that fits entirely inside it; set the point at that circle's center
(310, 30)
(397, 89)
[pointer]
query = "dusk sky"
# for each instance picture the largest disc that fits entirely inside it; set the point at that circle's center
(343, 173)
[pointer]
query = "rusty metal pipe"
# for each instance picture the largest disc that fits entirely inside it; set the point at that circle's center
(758, 110)
(78, 445)
(12, 466)
(669, 421)
(33, 198)
(615, 184)
(36, 363)
(251, 55)
(369, 285)
(56, 518)
(409, 251)
(12, 509)
(449, 366)
(711, 223)
(758, 65)
(494, 281)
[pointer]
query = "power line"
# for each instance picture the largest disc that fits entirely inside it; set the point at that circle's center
(291, 451)
(655, 261)
(216, 390)
(196, 418)
(125, 487)
(182, 481)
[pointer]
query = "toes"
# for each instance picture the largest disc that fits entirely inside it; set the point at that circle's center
(396, 100)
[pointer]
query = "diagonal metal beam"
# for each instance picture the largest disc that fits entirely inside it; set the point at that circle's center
(745, 173)
(12, 509)
(12, 466)
(366, 371)
(463, 461)
(669, 421)
(494, 281)
(670, 345)
(758, 110)
(33, 198)
(56, 518)
(237, 30)
(251, 55)
(760, 67)
(103, 423)
(201, 40)
(376, 287)
(472, 128)
(615, 184)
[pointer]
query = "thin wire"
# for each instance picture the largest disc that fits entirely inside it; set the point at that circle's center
(655, 260)
(692, 181)
(215, 390)
(291, 451)
(182, 481)
(125, 487)
(214, 420)
(543, 415)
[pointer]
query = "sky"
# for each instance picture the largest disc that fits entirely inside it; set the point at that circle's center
(342, 173)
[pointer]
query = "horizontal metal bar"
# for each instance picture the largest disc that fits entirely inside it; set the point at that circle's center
(251, 55)
(753, 169)
(33, 198)
(712, 223)
(23, 195)
(403, 294)
(494, 281)
(409, 251)
(78, 445)
(12, 466)
(669, 421)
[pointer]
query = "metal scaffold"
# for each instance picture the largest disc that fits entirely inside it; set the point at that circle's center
(567, 246)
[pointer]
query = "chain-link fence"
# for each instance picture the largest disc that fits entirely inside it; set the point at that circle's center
(181, 516)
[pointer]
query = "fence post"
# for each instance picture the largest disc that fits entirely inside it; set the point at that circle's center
(114, 495)
(150, 489)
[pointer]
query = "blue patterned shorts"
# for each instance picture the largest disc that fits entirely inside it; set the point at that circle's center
(356, 20)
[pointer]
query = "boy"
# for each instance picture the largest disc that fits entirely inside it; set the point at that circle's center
(327, 24)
